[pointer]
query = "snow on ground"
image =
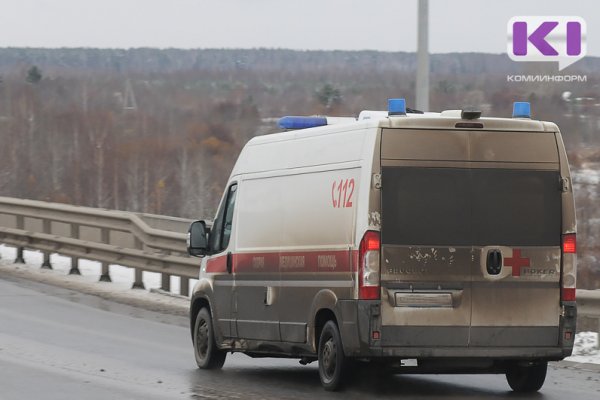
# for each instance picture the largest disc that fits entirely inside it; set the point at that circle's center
(91, 269)
(586, 348)
(585, 176)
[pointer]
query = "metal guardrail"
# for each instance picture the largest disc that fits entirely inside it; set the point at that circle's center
(111, 237)
(129, 239)
(588, 310)
(588, 303)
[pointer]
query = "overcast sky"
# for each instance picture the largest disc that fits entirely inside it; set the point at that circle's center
(389, 25)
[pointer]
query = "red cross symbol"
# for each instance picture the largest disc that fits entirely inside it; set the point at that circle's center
(516, 262)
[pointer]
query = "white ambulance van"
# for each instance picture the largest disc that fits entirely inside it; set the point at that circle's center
(445, 238)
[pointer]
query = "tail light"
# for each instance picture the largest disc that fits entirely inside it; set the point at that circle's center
(569, 243)
(368, 266)
(569, 267)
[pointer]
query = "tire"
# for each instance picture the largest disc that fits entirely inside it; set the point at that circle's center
(333, 364)
(208, 355)
(527, 378)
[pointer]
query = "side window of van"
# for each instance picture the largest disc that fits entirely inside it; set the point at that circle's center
(221, 230)
(228, 221)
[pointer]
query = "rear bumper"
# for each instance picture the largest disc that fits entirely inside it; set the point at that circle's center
(361, 318)
(546, 353)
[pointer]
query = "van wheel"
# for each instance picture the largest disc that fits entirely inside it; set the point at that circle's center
(208, 355)
(333, 364)
(527, 378)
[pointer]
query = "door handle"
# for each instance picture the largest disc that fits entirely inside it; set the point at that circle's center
(229, 262)
(268, 296)
(494, 262)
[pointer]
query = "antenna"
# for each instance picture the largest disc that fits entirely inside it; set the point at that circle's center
(423, 56)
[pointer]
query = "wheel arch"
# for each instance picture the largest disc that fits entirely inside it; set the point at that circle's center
(324, 308)
(200, 298)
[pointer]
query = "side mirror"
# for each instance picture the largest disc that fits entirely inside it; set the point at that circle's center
(197, 240)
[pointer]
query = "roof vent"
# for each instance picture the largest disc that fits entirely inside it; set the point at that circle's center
(470, 113)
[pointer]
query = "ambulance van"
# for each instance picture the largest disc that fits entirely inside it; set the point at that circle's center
(445, 239)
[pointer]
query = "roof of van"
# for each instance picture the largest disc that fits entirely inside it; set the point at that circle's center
(429, 120)
(349, 140)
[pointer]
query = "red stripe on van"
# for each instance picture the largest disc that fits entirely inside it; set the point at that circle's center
(569, 294)
(295, 261)
(256, 262)
(217, 264)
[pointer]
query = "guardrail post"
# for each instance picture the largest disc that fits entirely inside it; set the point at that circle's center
(165, 282)
(184, 286)
(105, 276)
(138, 282)
(20, 225)
(74, 260)
(19, 259)
(46, 263)
(46, 229)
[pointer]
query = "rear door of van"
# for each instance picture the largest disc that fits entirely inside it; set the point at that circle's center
(516, 217)
(471, 231)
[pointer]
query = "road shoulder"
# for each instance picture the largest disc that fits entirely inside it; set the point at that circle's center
(119, 293)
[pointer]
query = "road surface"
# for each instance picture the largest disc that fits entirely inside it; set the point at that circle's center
(60, 344)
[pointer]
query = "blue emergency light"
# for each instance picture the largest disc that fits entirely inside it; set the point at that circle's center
(521, 109)
(396, 107)
(293, 122)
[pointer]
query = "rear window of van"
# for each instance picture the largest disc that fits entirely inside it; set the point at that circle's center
(463, 207)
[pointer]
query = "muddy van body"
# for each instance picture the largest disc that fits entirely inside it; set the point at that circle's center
(447, 237)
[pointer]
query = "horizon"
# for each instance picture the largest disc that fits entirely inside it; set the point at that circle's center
(380, 25)
(254, 48)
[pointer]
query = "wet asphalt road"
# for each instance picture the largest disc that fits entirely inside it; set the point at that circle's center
(60, 344)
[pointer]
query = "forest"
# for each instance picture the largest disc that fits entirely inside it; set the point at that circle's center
(158, 131)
